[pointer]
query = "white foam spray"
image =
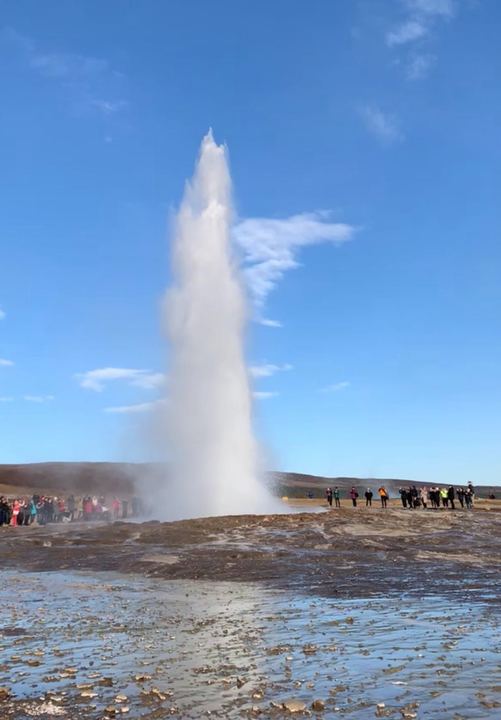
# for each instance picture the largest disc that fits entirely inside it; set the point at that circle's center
(213, 456)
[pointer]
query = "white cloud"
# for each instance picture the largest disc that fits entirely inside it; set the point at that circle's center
(138, 408)
(262, 395)
(5, 363)
(443, 8)
(383, 125)
(406, 32)
(2, 314)
(419, 21)
(38, 398)
(336, 387)
(270, 247)
(91, 83)
(97, 379)
(267, 370)
(419, 66)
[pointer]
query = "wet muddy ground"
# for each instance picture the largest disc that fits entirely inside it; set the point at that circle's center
(346, 553)
(351, 613)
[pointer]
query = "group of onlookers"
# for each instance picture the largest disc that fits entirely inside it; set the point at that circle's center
(411, 497)
(436, 497)
(42, 509)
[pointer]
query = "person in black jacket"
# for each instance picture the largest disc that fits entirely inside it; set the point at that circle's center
(451, 496)
(4, 511)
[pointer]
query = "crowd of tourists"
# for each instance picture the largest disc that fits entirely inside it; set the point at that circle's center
(42, 509)
(411, 497)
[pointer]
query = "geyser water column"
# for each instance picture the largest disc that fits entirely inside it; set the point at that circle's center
(212, 452)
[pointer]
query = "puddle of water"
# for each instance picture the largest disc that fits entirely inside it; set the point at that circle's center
(230, 648)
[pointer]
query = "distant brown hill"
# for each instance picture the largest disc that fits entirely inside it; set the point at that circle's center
(122, 478)
(297, 485)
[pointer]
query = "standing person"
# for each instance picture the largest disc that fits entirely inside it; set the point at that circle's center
(87, 508)
(444, 496)
(72, 506)
(451, 496)
(403, 496)
(328, 495)
(415, 497)
(368, 497)
(115, 508)
(354, 495)
(468, 498)
(460, 496)
(33, 510)
(61, 509)
(4, 511)
(125, 509)
(384, 496)
(337, 497)
(408, 495)
(423, 495)
(437, 497)
(16, 506)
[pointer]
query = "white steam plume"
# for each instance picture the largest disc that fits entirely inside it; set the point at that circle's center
(212, 453)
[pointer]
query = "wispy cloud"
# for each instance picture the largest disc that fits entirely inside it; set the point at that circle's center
(5, 363)
(268, 369)
(432, 8)
(419, 66)
(97, 379)
(264, 395)
(91, 83)
(335, 387)
(419, 20)
(406, 32)
(38, 398)
(137, 408)
(2, 314)
(382, 125)
(6, 399)
(270, 248)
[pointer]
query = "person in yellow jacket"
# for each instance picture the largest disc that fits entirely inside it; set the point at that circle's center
(444, 496)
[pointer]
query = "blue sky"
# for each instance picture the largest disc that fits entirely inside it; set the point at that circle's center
(364, 141)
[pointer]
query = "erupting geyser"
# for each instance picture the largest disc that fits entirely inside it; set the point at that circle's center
(213, 458)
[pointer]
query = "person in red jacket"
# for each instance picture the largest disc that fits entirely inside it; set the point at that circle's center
(354, 495)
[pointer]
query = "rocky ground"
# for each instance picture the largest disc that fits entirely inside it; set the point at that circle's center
(339, 553)
(352, 612)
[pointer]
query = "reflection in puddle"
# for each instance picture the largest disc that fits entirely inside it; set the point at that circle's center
(108, 646)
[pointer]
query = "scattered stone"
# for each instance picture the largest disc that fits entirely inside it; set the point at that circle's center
(310, 649)
(142, 678)
(5, 693)
(294, 706)
(105, 682)
(318, 705)
(88, 694)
